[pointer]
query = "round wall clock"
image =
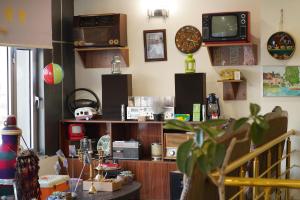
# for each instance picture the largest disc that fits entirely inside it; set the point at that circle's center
(188, 39)
(281, 45)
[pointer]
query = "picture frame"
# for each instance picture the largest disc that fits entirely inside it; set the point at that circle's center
(281, 81)
(155, 45)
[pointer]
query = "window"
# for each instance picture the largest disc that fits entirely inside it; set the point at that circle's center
(23, 94)
(17, 90)
(3, 85)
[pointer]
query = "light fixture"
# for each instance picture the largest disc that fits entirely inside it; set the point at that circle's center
(164, 13)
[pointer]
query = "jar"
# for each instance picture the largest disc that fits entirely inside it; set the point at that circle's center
(116, 65)
(156, 151)
(190, 64)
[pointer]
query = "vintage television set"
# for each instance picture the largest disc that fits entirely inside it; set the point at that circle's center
(226, 27)
(106, 30)
(76, 132)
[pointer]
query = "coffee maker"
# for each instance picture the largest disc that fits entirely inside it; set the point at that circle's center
(213, 107)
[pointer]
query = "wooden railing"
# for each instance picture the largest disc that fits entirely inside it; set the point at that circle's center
(263, 187)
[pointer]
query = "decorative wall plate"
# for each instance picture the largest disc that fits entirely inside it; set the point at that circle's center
(188, 39)
(281, 46)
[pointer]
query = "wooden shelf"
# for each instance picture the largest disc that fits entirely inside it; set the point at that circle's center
(228, 44)
(100, 48)
(151, 174)
(234, 89)
(96, 57)
(232, 54)
(150, 161)
(110, 121)
(230, 81)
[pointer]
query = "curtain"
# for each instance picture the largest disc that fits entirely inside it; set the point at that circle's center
(26, 23)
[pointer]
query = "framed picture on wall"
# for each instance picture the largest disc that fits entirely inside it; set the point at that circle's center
(281, 81)
(155, 46)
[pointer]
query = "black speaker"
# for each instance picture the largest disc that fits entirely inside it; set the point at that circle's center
(115, 91)
(176, 185)
(189, 89)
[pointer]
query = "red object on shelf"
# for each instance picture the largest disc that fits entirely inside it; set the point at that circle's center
(109, 165)
(76, 132)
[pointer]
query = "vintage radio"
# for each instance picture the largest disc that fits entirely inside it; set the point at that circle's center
(172, 141)
(126, 150)
(107, 30)
(133, 113)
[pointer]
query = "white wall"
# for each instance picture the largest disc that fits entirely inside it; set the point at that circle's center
(270, 20)
(157, 78)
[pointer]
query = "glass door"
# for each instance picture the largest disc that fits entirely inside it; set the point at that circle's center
(25, 101)
(3, 84)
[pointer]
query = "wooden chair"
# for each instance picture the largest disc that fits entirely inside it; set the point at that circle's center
(278, 123)
(202, 187)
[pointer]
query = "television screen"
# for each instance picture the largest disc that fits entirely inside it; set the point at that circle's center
(224, 26)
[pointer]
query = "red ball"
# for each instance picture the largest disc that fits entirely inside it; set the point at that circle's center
(53, 74)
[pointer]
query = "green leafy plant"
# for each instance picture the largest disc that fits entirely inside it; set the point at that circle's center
(206, 150)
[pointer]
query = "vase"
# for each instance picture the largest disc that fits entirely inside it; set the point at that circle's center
(9, 145)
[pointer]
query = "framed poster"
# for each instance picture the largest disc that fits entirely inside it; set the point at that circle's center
(281, 81)
(155, 46)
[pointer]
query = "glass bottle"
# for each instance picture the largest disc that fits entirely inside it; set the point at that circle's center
(203, 111)
(116, 65)
(190, 64)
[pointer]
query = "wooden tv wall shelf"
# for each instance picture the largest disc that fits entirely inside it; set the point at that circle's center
(101, 57)
(232, 54)
(153, 175)
(234, 89)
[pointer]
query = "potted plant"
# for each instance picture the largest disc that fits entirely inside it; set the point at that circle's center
(204, 150)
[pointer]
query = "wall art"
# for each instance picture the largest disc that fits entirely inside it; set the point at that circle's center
(281, 46)
(155, 45)
(281, 81)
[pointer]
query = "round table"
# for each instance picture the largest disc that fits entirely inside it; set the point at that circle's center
(127, 192)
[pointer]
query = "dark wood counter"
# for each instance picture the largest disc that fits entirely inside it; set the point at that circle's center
(127, 192)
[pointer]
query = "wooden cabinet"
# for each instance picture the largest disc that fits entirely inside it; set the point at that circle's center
(232, 54)
(101, 57)
(154, 175)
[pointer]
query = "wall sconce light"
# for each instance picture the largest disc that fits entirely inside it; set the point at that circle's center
(164, 13)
